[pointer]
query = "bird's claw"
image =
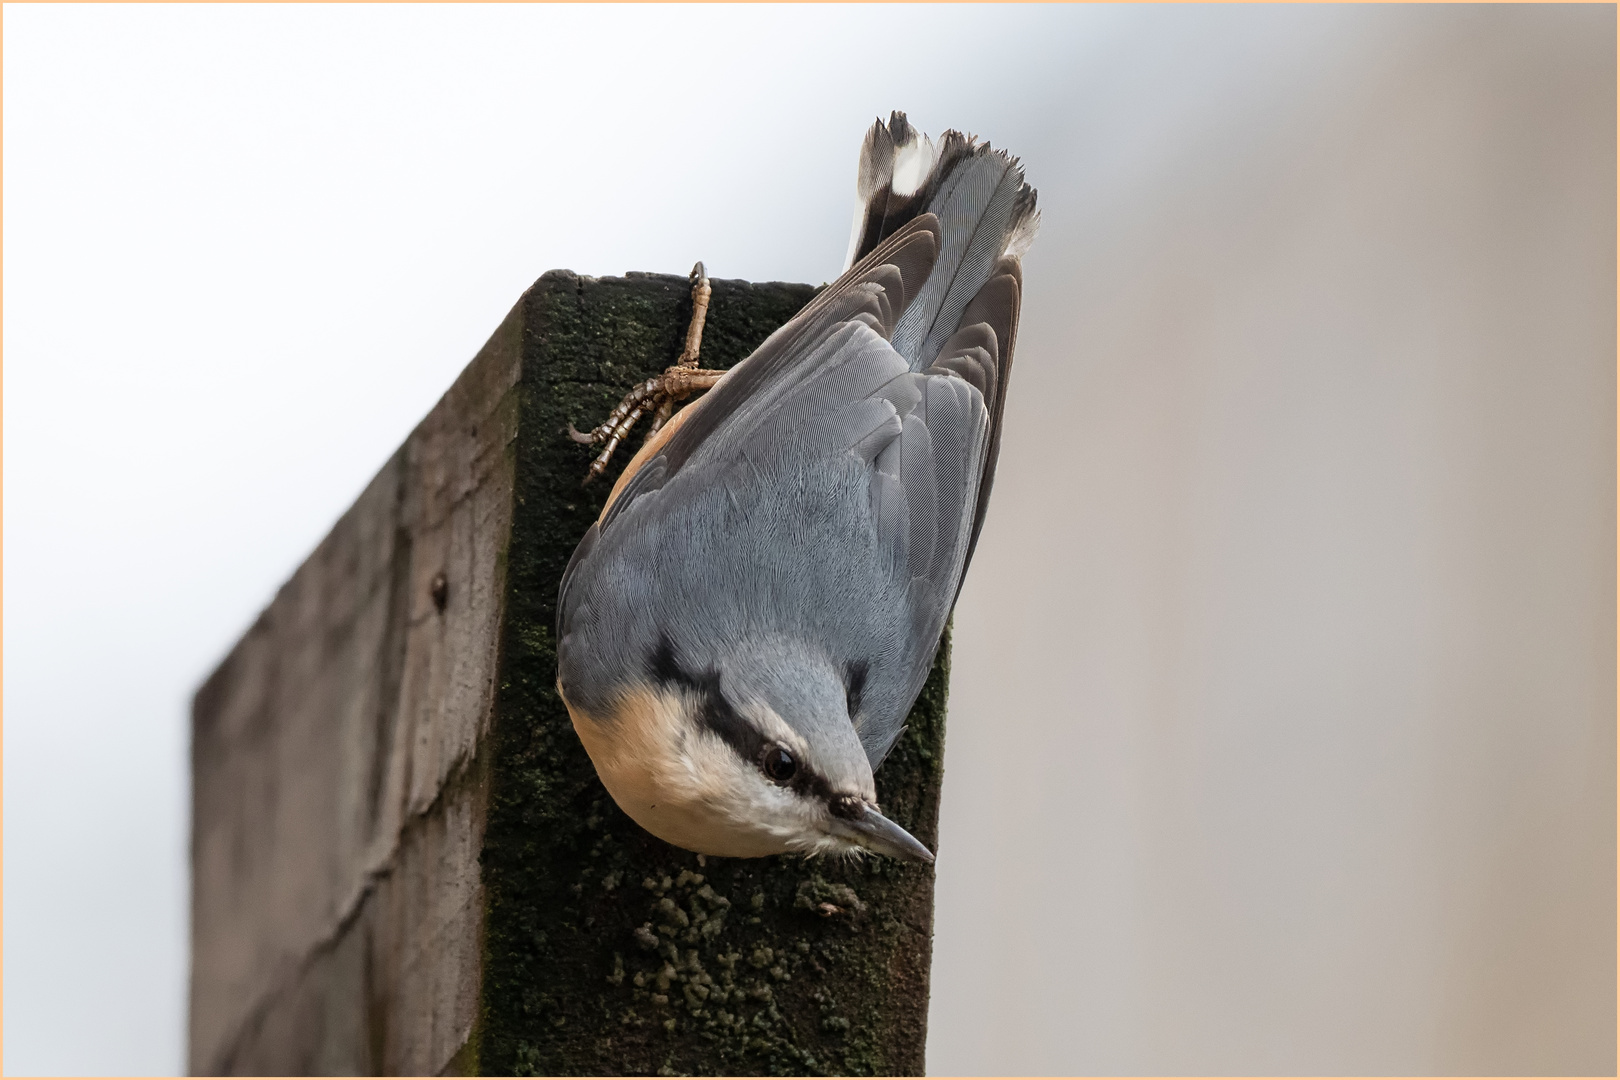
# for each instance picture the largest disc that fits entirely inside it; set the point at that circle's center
(659, 394)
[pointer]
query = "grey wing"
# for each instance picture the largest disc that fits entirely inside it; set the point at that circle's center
(919, 432)
(925, 496)
(874, 292)
(919, 441)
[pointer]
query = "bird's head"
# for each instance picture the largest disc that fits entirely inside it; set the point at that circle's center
(752, 755)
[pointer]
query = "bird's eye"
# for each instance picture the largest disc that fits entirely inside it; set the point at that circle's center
(779, 765)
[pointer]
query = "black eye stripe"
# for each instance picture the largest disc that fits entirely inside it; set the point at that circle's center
(719, 716)
(713, 711)
(854, 685)
(665, 668)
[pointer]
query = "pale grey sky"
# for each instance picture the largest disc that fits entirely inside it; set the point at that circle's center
(1282, 735)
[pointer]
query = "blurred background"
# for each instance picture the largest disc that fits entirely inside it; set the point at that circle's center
(1282, 734)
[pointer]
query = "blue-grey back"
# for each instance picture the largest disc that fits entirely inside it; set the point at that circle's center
(826, 495)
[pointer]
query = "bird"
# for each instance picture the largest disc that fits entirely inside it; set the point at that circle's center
(744, 629)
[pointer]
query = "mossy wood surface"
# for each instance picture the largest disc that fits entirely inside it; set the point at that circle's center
(607, 950)
(402, 858)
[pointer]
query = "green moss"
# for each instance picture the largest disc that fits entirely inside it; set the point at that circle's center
(607, 950)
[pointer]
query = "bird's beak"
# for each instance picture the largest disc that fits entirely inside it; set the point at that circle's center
(874, 832)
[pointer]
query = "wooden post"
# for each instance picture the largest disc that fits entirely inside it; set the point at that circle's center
(402, 859)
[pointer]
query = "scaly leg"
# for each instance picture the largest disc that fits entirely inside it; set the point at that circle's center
(660, 394)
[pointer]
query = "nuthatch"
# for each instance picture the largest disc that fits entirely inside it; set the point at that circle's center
(744, 629)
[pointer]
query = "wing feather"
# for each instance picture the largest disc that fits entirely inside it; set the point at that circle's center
(901, 264)
(893, 380)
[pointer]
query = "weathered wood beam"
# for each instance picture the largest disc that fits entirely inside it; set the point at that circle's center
(402, 859)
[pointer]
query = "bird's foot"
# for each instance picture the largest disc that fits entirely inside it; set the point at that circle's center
(660, 394)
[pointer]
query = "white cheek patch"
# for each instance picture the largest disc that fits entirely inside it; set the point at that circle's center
(684, 784)
(741, 801)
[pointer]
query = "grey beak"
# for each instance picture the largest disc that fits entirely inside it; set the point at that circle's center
(874, 832)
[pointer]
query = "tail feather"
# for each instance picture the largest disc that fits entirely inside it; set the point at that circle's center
(964, 319)
(896, 163)
(987, 214)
